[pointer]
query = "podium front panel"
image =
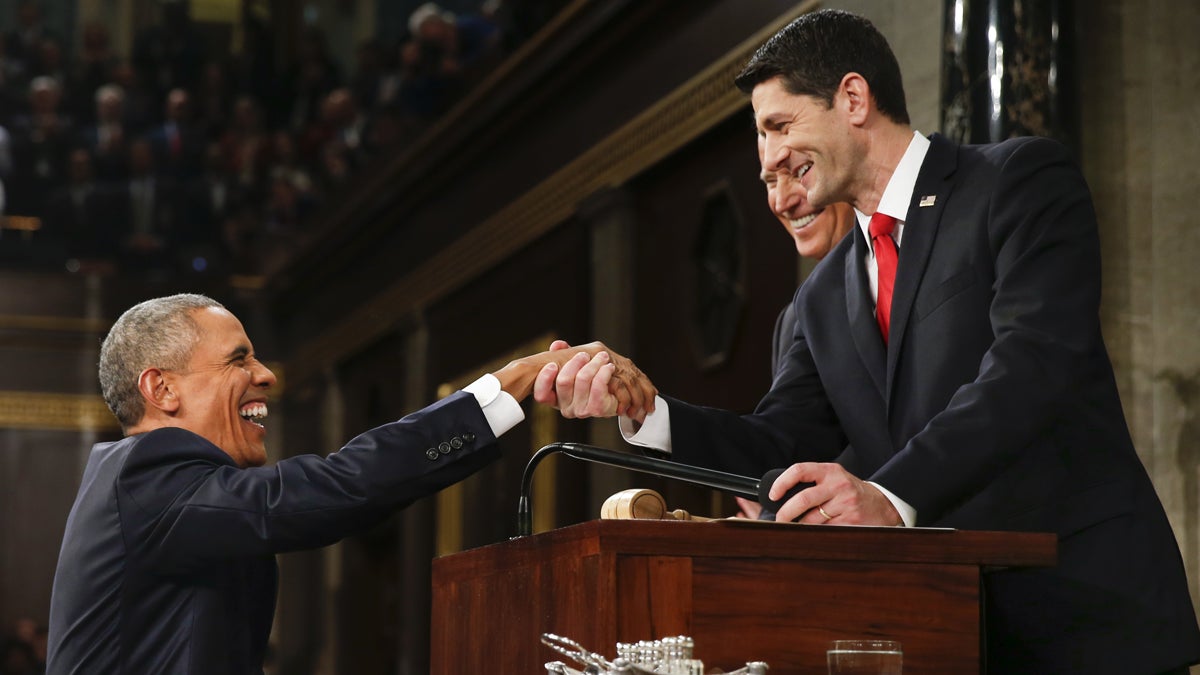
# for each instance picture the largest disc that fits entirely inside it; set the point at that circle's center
(778, 595)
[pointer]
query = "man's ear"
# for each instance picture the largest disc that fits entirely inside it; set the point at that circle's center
(157, 390)
(854, 95)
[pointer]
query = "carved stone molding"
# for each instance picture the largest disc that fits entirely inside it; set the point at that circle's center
(65, 412)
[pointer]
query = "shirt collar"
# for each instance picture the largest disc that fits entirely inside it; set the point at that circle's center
(899, 191)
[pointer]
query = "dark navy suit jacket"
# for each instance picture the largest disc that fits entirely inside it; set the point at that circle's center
(167, 564)
(993, 407)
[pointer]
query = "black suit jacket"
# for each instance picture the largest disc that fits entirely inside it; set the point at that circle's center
(167, 564)
(781, 339)
(993, 407)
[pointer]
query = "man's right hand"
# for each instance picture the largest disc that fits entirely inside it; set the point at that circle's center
(595, 383)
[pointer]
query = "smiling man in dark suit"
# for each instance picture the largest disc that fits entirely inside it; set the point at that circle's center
(981, 396)
(167, 562)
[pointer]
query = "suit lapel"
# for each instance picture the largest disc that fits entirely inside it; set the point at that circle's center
(920, 231)
(860, 311)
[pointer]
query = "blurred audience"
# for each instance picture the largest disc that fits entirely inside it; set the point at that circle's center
(180, 160)
(108, 139)
(177, 142)
(24, 41)
(23, 648)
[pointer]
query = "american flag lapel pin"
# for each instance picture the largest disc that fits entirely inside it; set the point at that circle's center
(927, 200)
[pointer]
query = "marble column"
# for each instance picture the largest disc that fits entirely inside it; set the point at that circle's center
(1008, 69)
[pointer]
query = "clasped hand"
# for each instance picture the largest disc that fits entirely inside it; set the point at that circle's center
(597, 382)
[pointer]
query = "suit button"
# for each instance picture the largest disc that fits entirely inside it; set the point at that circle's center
(456, 442)
(468, 437)
(431, 454)
(444, 448)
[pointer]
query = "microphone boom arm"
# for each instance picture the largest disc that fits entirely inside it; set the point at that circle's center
(719, 480)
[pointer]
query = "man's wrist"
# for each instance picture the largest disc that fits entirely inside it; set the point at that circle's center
(517, 377)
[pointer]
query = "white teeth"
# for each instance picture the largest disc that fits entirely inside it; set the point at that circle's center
(803, 170)
(254, 412)
(801, 223)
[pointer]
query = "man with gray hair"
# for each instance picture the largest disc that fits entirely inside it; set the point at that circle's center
(167, 562)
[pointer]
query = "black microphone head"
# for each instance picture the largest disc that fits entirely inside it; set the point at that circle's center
(771, 506)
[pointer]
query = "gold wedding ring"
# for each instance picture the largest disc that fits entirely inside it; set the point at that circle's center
(827, 516)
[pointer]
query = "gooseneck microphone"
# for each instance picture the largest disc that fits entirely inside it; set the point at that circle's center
(719, 480)
(771, 506)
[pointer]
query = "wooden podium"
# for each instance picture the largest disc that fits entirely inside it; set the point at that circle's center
(744, 590)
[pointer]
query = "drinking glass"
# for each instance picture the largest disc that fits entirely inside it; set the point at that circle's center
(864, 657)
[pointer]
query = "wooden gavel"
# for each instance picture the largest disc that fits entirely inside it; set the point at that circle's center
(642, 504)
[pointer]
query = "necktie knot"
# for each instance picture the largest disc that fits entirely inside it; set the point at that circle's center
(881, 225)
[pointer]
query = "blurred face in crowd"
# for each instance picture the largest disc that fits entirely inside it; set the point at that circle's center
(141, 158)
(177, 105)
(437, 31)
(109, 105)
(80, 164)
(245, 115)
(44, 96)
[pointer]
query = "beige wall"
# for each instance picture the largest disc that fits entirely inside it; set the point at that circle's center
(1141, 74)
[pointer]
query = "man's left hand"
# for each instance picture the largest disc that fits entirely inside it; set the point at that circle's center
(838, 498)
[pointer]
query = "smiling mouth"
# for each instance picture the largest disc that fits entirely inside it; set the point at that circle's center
(803, 222)
(254, 413)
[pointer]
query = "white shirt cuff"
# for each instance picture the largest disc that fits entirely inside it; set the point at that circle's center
(907, 513)
(654, 433)
(499, 407)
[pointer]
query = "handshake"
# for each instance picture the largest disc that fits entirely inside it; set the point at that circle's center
(584, 381)
(594, 381)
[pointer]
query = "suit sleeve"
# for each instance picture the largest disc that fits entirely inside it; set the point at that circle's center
(781, 338)
(183, 502)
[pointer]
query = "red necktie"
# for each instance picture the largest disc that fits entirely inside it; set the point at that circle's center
(885, 259)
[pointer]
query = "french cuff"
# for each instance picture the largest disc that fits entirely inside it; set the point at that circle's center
(499, 407)
(654, 433)
(907, 513)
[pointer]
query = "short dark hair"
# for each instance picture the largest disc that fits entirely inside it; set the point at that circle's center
(815, 51)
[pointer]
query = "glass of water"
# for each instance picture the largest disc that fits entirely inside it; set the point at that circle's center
(865, 657)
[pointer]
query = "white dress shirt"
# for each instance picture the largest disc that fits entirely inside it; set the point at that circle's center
(499, 407)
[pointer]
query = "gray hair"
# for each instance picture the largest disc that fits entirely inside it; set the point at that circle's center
(110, 91)
(157, 333)
(44, 83)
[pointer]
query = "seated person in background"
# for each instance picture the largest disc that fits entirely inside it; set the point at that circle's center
(815, 232)
(167, 563)
(108, 138)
